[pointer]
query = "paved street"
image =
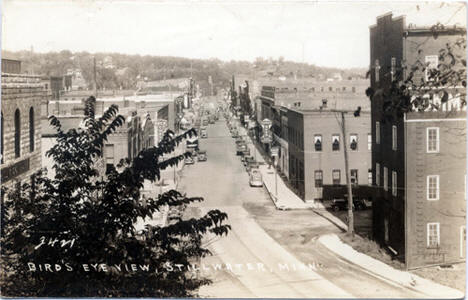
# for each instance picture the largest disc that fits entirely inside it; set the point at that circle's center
(270, 249)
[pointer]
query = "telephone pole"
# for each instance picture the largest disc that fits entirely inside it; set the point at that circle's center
(348, 182)
(95, 80)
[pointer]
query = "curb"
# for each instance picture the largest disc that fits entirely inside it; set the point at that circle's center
(342, 227)
(455, 294)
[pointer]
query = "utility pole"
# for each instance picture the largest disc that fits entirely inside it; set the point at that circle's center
(348, 183)
(95, 80)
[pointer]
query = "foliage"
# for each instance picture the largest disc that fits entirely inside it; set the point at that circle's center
(420, 86)
(98, 213)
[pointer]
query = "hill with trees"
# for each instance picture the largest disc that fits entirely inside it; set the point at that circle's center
(116, 70)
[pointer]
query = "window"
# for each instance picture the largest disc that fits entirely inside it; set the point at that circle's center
(385, 179)
(393, 67)
(336, 176)
(17, 133)
(330, 89)
(377, 132)
(394, 183)
(377, 70)
(369, 176)
(109, 153)
(354, 176)
(432, 61)
(369, 141)
(386, 230)
(318, 142)
(353, 142)
(433, 235)
(353, 89)
(318, 178)
(433, 187)
(335, 142)
(377, 174)
(344, 89)
(31, 129)
(394, 137)
(432, 134)
(321, 89)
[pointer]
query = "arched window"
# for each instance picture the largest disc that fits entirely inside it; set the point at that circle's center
(2, 141)
(17, 133)
(31, 129)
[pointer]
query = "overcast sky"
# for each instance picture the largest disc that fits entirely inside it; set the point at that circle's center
(333, 34)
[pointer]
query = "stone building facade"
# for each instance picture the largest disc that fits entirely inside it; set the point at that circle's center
(20, 127)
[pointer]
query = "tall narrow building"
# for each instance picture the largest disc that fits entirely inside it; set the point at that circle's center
(419, 154)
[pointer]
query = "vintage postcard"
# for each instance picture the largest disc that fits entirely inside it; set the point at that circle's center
(233, 149)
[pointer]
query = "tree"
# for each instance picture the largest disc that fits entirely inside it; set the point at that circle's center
(93, 218)
(426, 82)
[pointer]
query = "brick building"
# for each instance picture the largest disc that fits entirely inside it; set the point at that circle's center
(302, 120)
(419, 157)
(11, 66)
(129, 139)
(316, 158)
(20, 127)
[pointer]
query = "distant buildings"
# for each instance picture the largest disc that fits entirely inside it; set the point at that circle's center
(419, 157)
(11, 66)
(136, 134)
(20, 125)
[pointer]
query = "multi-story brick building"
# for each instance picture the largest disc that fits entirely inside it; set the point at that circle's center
(304, 128)
(129, 139)
(316, 158)
(419, 156)
(20, 127)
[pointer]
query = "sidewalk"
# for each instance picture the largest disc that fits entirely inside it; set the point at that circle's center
(282, 196)
(380, 269)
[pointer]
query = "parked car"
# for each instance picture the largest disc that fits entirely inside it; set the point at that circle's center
(189, 161)
(246, 152)
(342, 204)
(255, 178)
(248, 159)
(204, 133)
(202, 155)
(234, 134)
(252, 165)
(241, 147)
(205, 122)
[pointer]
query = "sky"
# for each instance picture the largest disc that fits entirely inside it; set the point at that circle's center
(324, 33)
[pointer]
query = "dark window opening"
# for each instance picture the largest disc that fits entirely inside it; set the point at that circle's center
(17, 134)
(31, 129)
(336, 176)
(318, 178)
(336, 145)
(318, 145)
(354, 176)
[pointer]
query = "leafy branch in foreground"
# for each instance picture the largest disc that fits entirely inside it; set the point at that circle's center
(425, 87)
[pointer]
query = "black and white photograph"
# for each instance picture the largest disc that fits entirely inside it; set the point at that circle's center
(233, 149)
